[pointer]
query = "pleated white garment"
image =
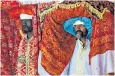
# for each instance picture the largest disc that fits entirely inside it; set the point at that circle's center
(79, 64)
(102, 64)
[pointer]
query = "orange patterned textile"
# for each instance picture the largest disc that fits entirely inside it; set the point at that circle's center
(27, 55)
(102, 35)
(57, 46)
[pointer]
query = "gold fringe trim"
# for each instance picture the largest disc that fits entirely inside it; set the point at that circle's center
(95, 11)
(47, 11)
(68, 6)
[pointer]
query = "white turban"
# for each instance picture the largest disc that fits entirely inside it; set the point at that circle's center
(78, 22)
(25, 16)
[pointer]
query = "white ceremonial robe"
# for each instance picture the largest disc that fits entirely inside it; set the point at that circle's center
(102, 64)
(79, 64)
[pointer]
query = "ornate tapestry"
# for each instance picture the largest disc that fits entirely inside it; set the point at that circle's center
(20, 56)
(57, 46)
(7, 45)
(23, 54)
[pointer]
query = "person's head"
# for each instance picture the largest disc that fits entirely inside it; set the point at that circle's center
(26, 23)
(80, 29)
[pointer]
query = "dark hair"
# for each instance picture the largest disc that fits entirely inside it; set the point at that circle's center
(86, 32)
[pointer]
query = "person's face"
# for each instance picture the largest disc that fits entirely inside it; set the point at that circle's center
(27, 25)
(81, 30)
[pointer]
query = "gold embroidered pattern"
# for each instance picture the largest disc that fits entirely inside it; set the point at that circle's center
(69, 6)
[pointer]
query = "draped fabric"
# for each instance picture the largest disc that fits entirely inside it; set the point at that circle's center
(86, 5)
(44, 6)
(22, 54)
(9, 42)
(57, 46)
(7, 58)
(102, 46)
(102, 35)
(97, 4)
(19, 56)
(5, 4)
(10, 38)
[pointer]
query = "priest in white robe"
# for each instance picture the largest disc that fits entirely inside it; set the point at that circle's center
(79, 63)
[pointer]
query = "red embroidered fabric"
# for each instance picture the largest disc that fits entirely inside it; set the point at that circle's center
(57, 46)
(16, 45)
(102, 35)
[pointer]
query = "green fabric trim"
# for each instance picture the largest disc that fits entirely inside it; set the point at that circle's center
(27, 58)
(21, 58)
